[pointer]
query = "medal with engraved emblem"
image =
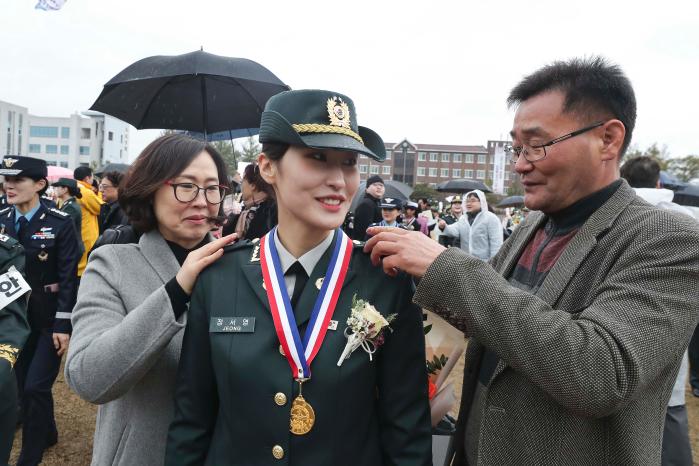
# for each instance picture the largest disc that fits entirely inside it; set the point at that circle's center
(300, 353)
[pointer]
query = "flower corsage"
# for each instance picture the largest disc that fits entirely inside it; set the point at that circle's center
(365, 327)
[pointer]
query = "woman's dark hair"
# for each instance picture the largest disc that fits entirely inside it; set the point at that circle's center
(251, 174)
(114, 177)
(163, 159)
(274, 150)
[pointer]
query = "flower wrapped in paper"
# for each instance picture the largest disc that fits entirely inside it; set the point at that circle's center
(365, 329)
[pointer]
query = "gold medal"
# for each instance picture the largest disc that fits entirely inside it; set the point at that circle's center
(302, 415)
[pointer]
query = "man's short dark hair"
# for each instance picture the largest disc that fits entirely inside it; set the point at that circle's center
(163, 159)
(114, 177)
(594, 90)
(641, 172)
(80, 173)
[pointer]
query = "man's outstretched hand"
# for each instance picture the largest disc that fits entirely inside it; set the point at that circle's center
(410, 251)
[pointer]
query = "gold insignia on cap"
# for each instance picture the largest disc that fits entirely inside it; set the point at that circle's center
(8, 162)
(338, 112)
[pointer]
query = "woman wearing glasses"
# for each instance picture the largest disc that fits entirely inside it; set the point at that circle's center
(131, 309)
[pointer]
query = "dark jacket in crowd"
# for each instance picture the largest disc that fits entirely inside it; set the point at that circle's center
(366, 213)
(261, 218)
(111, 215)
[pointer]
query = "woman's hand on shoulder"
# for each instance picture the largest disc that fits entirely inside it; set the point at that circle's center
(199, 259)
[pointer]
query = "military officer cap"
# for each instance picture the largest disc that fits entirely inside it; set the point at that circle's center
(17, 165)
(390, 203)
(71, 184)
(320, 120)
(456, 200)
(411, 205)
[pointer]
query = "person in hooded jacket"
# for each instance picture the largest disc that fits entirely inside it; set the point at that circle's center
(479, 231)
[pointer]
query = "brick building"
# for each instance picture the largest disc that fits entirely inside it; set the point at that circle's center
(434, 163)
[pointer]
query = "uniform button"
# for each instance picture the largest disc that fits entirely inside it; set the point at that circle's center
(281, 350)
(280, 399)
(277, 452)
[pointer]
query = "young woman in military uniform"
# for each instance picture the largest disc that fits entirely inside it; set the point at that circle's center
(265, 378)
(51, 254)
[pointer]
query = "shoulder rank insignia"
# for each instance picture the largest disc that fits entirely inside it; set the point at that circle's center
(58, 212)
(9, 353)
(255, 254)
(338, 112)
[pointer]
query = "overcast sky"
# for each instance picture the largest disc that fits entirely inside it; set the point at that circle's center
(434, 72)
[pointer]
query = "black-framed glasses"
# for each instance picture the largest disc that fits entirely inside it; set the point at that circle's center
(538, 152)
(187, 192)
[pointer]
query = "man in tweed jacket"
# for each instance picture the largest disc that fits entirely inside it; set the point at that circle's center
(579, 324)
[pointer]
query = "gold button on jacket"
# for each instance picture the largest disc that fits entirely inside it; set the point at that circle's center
(280, 399)
(277, 452)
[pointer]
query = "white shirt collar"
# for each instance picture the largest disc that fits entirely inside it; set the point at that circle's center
(308, 260)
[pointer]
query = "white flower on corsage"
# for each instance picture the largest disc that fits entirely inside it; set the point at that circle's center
(365, 327)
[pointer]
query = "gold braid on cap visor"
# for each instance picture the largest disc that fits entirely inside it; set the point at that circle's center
(317, 128)
(9, 353)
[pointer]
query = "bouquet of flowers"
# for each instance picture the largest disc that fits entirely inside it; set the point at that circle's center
(365, 327)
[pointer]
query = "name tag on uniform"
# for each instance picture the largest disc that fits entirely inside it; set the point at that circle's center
(12, 286)
(232, 325)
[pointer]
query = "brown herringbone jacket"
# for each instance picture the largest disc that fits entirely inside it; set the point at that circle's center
(588, 363)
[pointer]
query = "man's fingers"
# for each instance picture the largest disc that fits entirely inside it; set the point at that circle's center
(383, 248)
(56, 342)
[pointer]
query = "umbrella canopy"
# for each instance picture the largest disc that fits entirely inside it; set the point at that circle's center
(394, 189)
(462, 186)
(512, 201)
(670, 181)
(223, 135)
(54, 173)
(196, 91)
(687, 195)
(112, 167)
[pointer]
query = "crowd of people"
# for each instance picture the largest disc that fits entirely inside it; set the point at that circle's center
(289, 328)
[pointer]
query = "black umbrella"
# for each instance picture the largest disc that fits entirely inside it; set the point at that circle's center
(512, 201)
(687, 195)
(394, 189)
(223, 135)
(670, 181)
(196, 91)
(462, 186)
(112, 167)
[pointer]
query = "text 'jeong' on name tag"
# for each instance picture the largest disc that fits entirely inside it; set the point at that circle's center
(232, 325)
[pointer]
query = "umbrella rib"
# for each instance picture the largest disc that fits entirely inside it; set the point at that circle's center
(155, 96)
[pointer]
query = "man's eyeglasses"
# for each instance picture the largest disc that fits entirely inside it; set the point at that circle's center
(538, 152)
(187, 192)
(102, 187)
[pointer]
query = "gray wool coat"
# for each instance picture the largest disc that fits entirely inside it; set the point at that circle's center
(588, 362)
(125, 349)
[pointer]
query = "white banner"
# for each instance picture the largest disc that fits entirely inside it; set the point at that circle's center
(499, 170)
(12, 286)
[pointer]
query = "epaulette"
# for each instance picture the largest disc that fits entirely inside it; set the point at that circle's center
(5, 209)
(8, 241)
(358, 244)
(240, 244)
(58, 213)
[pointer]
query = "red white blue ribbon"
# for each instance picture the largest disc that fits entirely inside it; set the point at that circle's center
(301, 354)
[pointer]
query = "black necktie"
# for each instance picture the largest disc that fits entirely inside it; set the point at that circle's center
(301, 279)
(22, 229)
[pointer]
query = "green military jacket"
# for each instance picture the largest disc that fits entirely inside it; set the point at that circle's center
(234, 390)
(72, 208)
(14, 330)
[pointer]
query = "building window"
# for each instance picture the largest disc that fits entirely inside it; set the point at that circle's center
(507, 176)
(481, 158)
(420, 171)
(386, 170)
(433, 172)
(445, 157)
(51, 149)
(51, 162)
(456, 173)
(362, 156)
(64, 164)
(433, 156)
(85, 150)
(84, 133)
(374, 169)
(43, 131)
(480, 174)
(468, 173)
(34, 148)
(469, 158)
(64, 150)
(457, 158)
(421, 156)
(362, 169)
(444, 173)
(388, 155)
(65, 133)
(110, 136)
